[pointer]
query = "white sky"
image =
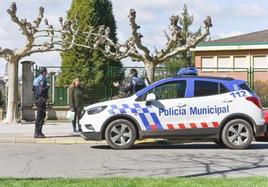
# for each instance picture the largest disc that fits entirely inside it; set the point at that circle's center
(229, 18)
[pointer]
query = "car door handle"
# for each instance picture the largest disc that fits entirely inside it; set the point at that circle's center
(227, 100)
(181, 105)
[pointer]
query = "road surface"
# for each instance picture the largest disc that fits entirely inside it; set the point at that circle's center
(85, 160)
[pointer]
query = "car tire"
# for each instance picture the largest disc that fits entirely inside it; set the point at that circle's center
(237, 134)
(120, 134)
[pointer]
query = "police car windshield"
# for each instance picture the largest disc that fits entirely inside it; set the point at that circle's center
(166, 90)
(142, 91)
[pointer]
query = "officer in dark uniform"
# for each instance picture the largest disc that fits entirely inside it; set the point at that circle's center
(40, 88)
(133, 85)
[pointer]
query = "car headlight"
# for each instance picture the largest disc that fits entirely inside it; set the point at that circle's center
(95, 110)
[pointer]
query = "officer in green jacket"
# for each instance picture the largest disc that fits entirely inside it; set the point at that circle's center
(76, 95)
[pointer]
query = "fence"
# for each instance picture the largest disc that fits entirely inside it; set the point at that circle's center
(58, 95)
(254, 76)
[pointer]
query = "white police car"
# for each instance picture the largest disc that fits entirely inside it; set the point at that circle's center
(188, 106)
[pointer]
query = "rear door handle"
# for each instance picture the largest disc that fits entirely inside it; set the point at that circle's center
(181, 105)
(227, 100)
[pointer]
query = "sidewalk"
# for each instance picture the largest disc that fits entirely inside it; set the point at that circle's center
(57, 132)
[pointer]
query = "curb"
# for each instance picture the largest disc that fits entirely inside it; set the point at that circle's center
(69, 140)
(30, 140)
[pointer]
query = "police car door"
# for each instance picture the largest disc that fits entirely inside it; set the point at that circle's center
(207, 107)
(168, 111)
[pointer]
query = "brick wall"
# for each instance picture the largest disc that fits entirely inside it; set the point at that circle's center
(232, 73)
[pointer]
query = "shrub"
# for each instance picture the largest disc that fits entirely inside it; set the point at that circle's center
(261, 89)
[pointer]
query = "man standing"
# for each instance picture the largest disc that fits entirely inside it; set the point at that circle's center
(40, 88)
(133, 85)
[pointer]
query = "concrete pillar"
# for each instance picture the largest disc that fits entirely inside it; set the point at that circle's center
(52, 85)
(27, 95)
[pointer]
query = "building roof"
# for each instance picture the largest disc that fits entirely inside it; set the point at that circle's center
(254, 38)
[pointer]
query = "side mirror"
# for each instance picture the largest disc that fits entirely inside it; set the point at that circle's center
(150, 97)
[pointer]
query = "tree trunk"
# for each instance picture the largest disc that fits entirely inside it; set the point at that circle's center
(12, 103)
(150, 72)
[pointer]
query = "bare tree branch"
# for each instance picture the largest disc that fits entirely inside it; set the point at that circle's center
(137, 36)
(39, 38)
(6, 53)
(43, 40)
(172, 40)
(100, 41)
(192, 41)
(23, 23)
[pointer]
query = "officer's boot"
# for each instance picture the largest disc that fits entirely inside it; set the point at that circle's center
(79, 128)
(36, 133)
(41, 128)
(74, 126)
(41, 133)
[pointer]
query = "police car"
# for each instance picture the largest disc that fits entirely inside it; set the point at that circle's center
(192, 107)
(264, 138)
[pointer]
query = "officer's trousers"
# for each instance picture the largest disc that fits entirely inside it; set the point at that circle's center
(41, 114)
(77, 117)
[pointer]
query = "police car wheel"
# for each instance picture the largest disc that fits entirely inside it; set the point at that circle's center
(237, 134)
(120, 134)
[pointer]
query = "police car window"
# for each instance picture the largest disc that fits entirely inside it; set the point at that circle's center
(223, 89)
(170, 90)
(206, 88)
(244, 86)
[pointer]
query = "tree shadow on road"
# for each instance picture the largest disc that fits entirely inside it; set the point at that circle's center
(201, 162)
(144, 146)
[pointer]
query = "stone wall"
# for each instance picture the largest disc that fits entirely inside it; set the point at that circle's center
(53, 113)
(28, 110)
(1, 114)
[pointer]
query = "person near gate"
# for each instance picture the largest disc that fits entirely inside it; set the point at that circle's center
(132, 85)
(40, 88)
(76, 95)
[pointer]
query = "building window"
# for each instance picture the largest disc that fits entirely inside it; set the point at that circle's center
(225, 63)
(260, 62)
(241, 63)
(208, 64)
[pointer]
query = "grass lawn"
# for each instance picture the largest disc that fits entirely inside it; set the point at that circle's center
(138, 182)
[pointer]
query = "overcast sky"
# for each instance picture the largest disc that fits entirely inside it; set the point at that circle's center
(229, 18)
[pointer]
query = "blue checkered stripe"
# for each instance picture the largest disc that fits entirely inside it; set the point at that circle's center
(144, 113)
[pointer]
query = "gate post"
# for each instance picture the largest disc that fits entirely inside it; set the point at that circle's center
(27, 95)
(251, 77)
(52, 86)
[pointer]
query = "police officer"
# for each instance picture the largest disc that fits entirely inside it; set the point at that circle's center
(133, 85)
(40, 88)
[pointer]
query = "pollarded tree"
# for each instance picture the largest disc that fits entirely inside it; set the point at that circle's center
(184, 58)
(135, 49)
(41, 37)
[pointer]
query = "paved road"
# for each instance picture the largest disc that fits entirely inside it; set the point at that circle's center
(203, 159)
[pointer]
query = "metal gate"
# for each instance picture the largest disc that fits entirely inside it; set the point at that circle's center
(105, 90)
